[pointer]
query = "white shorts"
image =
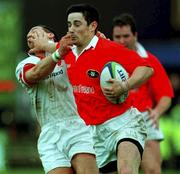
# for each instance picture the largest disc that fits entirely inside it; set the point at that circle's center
(128, 126)
(60, 141)
(153, 133)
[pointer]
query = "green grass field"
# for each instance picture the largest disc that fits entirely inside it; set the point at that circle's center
(40, 171)
(23, 171)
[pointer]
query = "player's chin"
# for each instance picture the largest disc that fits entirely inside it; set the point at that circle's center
(77, 43)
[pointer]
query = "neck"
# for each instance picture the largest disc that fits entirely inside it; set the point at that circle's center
(84, 45)
(134, 47)
(40, 54)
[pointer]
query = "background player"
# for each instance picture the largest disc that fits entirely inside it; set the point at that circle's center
(153, 98)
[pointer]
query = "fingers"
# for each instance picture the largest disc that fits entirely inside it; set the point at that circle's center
(116, 88)
(33, 50)
(68, 35)
(66, 40)
(65, 44)
(111, 80)
(38, 34)
(108, 92)
(99, 34)
(38, 41)
(153, 117)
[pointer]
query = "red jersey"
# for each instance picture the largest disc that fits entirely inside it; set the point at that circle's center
(84, 75)
(149, 94)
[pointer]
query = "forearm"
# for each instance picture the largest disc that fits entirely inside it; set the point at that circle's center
(139, 76)
(41, 70)
(163, 105)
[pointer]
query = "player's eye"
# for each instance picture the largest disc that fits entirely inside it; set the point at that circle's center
(126, 35)
(77, 23)
(117, 36)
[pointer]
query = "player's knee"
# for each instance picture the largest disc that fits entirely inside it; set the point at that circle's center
(87, 171)
(125, 171)
(152, 170)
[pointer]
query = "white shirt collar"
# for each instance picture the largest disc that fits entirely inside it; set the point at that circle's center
(92, 44)
(141, 50)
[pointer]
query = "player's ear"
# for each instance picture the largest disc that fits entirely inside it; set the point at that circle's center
(50, 35)
(93, 26)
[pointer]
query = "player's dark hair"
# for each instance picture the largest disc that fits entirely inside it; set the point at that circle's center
(123, 20)
(50, 30)
(89, 12)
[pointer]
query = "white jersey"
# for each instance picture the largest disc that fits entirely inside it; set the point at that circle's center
(52, 98)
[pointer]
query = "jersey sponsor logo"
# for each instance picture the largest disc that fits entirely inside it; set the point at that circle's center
(93, 73)
(83, 89)
(54, 74)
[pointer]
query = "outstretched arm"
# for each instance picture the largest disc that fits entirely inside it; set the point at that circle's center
(46, 65)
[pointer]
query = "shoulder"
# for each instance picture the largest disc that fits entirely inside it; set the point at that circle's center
(29, 60)
(108, 44)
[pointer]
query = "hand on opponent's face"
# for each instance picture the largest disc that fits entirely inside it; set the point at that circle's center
(38, 40)
(65, 44)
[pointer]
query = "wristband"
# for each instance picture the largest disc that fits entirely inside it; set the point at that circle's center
(55, 56)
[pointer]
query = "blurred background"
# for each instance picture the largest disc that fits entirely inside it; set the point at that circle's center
(158, 23)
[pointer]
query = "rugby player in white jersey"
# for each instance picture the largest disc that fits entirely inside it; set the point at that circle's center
(65, 144)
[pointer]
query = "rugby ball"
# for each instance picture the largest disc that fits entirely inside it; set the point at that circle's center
(115, 71)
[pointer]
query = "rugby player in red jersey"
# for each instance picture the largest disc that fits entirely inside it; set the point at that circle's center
(118, 130)
(152, 98)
